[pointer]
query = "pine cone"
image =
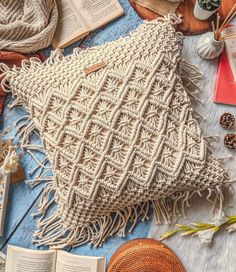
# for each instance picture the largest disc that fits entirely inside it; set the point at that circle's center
(230, 141)
(227, 120)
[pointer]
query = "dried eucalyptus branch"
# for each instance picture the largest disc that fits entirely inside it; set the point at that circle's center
(204, 231)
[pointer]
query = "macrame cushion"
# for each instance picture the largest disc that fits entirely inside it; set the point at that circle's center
(117, 138)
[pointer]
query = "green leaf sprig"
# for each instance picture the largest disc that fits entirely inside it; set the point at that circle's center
(204, 231)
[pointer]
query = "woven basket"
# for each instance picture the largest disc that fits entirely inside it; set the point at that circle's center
(144, 255)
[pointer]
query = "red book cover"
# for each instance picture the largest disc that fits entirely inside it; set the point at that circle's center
(225, 89)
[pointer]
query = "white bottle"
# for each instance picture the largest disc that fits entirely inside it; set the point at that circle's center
(208, 47)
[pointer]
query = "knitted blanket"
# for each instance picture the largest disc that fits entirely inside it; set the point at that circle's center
(27, 25)
(117, 125)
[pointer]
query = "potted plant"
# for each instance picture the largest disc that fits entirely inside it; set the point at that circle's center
(203, 9)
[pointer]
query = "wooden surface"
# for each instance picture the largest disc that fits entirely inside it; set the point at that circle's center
(190, 25)
(23, 201)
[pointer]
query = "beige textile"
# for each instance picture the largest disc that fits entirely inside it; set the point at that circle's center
(119, 139)
(27, 25)
(161, 7)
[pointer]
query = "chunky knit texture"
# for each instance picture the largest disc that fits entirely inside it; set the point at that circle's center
(118, 139)
(27, 25)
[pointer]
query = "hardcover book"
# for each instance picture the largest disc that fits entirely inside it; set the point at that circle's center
(225, 89)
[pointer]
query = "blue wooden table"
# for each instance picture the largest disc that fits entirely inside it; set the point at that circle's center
(23, 201)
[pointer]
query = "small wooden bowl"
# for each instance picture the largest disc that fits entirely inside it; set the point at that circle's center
(144, 255)
(190, 25)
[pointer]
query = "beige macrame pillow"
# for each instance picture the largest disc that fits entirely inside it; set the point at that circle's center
(119, 138)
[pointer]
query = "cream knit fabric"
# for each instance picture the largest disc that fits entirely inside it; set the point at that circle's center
(118, 139)
(27, 25)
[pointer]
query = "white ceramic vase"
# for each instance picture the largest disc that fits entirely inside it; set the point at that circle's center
(200, 13)
(208, 47)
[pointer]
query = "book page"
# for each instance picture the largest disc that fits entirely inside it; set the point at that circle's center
(67, 262)
(99, 12)
(26, 260)
(70, 23)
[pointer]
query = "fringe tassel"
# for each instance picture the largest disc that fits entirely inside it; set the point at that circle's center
(15, 103)
(55, 234)
(25, 130)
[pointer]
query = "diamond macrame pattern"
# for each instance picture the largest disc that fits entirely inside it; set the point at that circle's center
(122, 135)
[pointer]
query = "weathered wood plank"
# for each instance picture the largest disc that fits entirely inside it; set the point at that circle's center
(22, 235)
(21, 197)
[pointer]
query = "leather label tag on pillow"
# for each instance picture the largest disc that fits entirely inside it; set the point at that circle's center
(94, 67)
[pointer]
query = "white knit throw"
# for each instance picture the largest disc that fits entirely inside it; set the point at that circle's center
(27, 25)
(120, 139)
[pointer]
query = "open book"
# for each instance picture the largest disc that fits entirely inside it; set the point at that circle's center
(78, 17)
(26, 260)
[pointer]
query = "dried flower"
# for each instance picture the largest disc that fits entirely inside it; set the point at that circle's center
(205, 231)
(231, 228)
(206, 236)
(219, 218)
(10, 163)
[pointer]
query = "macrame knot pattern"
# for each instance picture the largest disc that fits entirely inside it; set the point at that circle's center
(120, 139)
